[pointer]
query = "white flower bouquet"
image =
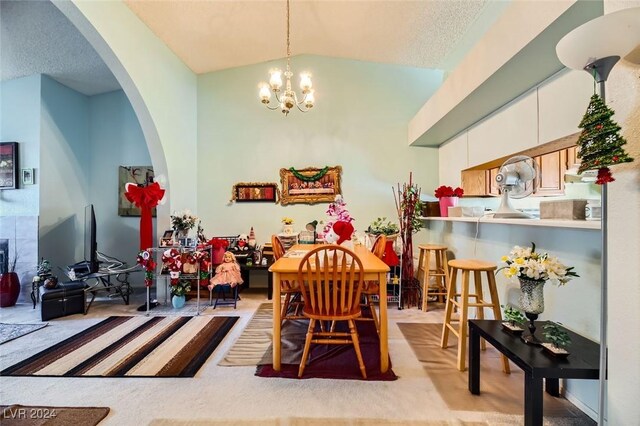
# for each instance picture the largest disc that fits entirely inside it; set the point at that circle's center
(526, 263)
(183, 220)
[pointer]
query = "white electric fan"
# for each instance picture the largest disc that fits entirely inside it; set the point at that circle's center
(516, 179)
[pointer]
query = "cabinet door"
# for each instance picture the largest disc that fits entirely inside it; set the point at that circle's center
(474, 182)
(572, 157)
(551, 169)
(492, 186)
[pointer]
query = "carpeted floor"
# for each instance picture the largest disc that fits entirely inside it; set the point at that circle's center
(9, 332)
(254, 344)
(124, 346)
(501, 392)
(309, 421)
(22, 415)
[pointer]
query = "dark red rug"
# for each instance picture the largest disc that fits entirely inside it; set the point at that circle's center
(336, 361)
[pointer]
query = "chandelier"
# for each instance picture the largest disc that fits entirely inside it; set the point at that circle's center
(287, 99)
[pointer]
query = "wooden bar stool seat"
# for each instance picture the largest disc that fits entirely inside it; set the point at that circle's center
(426, 270)
(462, 302)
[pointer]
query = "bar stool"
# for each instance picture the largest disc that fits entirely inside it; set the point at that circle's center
(477, 267)
(425, 272)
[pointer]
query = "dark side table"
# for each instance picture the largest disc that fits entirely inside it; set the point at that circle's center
(582, 363)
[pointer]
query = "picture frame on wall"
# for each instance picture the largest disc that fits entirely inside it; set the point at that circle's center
(140, 175)
(27, 176)
(310, 185)
(8, 165)
(266, 192)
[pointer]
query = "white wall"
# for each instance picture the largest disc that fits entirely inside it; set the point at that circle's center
(20, 122)
(64, 176)
(160, 87)
(115, 139)
(359, 122)
(623, 95)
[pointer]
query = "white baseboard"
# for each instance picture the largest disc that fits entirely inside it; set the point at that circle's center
(575, 401)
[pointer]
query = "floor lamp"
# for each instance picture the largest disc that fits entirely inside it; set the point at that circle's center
(596, 47)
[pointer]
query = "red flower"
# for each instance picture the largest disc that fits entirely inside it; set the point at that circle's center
(218, 243)
(615, 158)
(447, 191)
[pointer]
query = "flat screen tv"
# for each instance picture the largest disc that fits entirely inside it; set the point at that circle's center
(90, 244)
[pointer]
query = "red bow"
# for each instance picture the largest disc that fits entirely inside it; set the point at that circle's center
(145, 198)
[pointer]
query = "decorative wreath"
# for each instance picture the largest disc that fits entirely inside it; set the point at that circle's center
(145, 259)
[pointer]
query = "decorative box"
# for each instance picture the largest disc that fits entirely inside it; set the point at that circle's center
(431, 209)
(563, 209)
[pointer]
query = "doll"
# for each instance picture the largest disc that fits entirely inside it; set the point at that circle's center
(228, 272)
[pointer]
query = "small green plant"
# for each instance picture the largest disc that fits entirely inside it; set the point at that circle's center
(379, 226)
(513, 316)
(556, 335)
(181, 288)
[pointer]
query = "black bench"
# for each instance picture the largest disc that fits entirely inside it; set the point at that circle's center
(66, 299)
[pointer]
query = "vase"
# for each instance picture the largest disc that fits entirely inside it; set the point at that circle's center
(181, 233)
(532, 296)
(178, 301)
(532, 303)
(9, 289)
(287, 229)
(445, 203)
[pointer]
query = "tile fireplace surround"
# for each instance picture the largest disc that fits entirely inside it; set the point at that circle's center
(20, 235)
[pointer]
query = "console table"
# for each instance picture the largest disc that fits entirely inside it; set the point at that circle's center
(582, 363)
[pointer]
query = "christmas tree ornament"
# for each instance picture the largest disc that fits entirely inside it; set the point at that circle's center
(600, 141)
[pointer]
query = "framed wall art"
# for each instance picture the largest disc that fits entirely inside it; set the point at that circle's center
(266, 192)
(8, 165)
(310, 185)
(27, 176)
(141, 175)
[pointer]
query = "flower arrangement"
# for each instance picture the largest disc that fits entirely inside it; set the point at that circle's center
(287, 221)
(379, 227)
(447, 191)
(180, 288)
(337, 212)
(183, 220)
(525, 262)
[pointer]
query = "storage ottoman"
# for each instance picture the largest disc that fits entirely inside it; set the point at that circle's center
(66, 299)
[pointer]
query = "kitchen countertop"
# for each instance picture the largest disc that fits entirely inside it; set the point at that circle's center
(554, 223)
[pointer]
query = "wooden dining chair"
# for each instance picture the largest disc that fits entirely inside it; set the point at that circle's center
(332, 290)
(371, 288)
(288, 288)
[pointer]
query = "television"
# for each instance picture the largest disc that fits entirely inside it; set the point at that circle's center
(90, 244)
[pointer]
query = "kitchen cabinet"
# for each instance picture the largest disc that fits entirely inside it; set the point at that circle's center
(474, 182)
(551, 169)
(572, 157)
(492, 185)
(452, 158)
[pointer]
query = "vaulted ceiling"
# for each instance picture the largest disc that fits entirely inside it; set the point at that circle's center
(213, 35)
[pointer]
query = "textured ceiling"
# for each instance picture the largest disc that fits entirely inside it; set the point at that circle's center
(35, 38)
(212, 34)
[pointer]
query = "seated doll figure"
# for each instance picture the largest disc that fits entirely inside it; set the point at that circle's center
(228, 272)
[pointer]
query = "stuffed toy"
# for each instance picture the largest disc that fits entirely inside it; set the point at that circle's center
(340, 234)
(243, 242)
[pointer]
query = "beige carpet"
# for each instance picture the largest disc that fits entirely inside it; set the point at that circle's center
(500, 392)
(308, 421)
(27, 415)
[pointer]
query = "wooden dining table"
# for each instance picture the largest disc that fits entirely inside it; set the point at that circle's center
(286, 269)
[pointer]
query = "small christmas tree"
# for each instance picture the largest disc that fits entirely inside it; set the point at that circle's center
(337, 211)
(600, 141)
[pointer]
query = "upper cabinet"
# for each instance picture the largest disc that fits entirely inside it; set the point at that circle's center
(551, 169)
(512, 129)
(563, 101)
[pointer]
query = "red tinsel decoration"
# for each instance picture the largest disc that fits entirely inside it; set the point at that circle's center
(604, 176)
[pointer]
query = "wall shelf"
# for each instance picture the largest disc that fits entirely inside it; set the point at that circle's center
(552, 223)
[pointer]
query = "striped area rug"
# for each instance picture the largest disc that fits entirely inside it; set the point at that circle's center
(137, 346)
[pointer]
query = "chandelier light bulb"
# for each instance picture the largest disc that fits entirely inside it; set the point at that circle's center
(309, 99)
(305, 82)
(276, 79)
(265, 93)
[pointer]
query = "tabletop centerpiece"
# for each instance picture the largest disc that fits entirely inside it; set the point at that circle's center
(513, 320)
(533, 270)
(287, 225)
(183, 222)
(557, 340)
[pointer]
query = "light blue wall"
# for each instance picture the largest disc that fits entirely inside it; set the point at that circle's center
(359, 122)
(20, 122)
(64, 177)
(116, 139)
